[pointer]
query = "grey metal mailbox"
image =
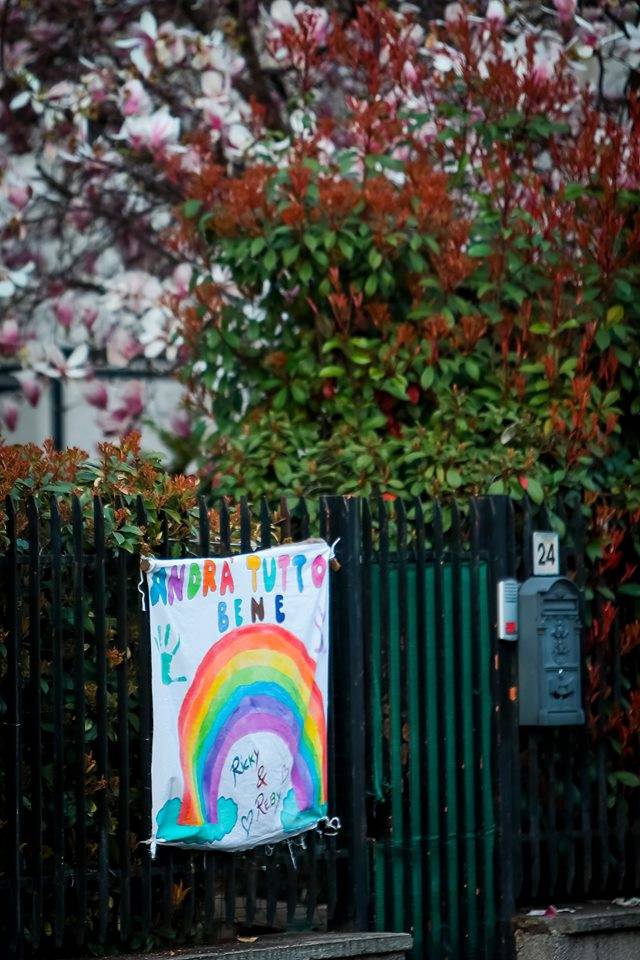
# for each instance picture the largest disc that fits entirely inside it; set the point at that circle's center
(550, 667)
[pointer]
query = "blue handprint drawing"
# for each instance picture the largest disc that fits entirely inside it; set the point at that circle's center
(166, 656)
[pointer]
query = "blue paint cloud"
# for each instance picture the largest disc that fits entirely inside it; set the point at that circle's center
(294, 820)
(170, 829)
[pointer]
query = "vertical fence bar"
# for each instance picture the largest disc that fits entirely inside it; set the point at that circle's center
(230, 863)
(467, 739)
(58, 726)
(166, 852)
(326, 531)
(79, 697)
(35, 697)
(532, 737)
(124, 783)
(428, 582)
(340, 760)
(102, 748)
(397, 715)
(577, 527)
(204, 533)
(303, 518)
(415, 681)
(265, 525)
(272, 862)
(249, 859)
(14, 720)
(388, 865)
(395, 746)
(443, 829)
(483, 709)
(356, 706)
(533, 799)
(552, 835)
(502, 559)
(144, 708)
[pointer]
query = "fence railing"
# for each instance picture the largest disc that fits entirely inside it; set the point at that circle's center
(451, 815)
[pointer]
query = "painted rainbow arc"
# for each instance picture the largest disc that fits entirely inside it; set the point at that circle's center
(258, 678)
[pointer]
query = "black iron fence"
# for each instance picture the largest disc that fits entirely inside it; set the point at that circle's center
(451, 816)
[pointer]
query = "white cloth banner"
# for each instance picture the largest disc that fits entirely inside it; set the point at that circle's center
(239, 692)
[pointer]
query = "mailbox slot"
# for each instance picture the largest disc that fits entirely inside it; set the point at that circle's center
(550, 654)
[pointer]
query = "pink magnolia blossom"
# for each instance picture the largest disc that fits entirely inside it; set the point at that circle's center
(134, 99)
(96, 394)
(54, 364)
(312, 23)
(65, 311)
(180, 280)
(122, 347)
(10, 340)
(496, 14)
(181, 424)
(30, 386)
(566, 9)
(128, 409)
(154, 132)
(10, 411)
(132, 398)
(89, 316)
(19, 193)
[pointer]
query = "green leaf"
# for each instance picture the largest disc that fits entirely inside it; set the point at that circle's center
(282, 470)
(480, 250)
(630, 589)
(331, 371)
(535, 490)
(270, 259)
(375, 258)
(290, 255)
(280, 399)
(257, 246)
(305, 272)
(627, 778)
(371, 285)
(190, 208)
(454, 479)
(427, 377)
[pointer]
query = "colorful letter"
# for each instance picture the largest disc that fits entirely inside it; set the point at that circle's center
(226, 580)
(283, 563)
(158, 589)
(176, 583)
(193, 583)
(209, 577)
(237, 606)
(318, 570)
(253, 564)
(257, 609)
(223, 619)
(279, 610)
(269, 578)
(299, 561)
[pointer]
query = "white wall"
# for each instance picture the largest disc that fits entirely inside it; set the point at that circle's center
(162, 398)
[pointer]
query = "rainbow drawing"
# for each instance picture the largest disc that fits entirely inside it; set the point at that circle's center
(256, 679)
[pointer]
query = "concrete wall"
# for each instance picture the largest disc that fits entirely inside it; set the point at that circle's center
(303, 946)
(592, 932)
